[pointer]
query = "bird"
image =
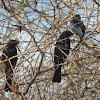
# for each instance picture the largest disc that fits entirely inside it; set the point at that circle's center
(77, 26)
(63, 42)
(9, 51)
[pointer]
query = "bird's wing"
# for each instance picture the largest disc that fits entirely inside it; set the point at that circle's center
(77, 31)
(82, 27)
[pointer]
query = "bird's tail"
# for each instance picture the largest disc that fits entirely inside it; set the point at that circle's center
(8, 84)
(57, 75)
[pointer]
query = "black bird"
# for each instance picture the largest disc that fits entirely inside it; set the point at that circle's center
(10, 51)
(63, 43)
(77, 26)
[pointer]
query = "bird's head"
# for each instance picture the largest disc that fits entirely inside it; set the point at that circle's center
(66, 34)
(77, 17)
(12, 43)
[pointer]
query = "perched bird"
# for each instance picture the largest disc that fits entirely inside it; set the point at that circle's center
(63, 43)
(9, 51)
(77, 26)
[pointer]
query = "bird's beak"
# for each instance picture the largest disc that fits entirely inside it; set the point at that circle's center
(17, 42)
